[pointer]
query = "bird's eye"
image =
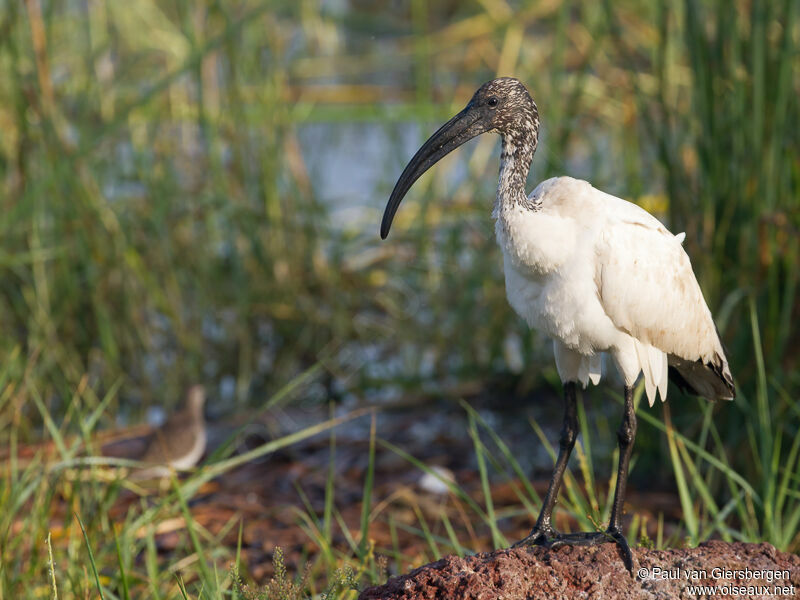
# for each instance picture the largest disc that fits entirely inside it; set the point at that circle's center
(492, 101)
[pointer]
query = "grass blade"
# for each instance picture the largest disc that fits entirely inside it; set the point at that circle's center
(91, 558)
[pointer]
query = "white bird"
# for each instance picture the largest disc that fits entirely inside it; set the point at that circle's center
(594, 272)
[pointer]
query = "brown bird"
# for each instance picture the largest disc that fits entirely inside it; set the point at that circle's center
(180, 442)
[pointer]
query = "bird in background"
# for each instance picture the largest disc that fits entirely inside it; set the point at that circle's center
(180, 442)
(595, 273)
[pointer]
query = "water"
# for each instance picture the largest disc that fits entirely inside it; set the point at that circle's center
(353, 167)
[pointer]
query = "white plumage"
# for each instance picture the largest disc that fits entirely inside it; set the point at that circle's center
(600, 274)
(594, 272)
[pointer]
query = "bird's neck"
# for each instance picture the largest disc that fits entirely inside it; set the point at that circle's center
(196, 414)
(515, 164)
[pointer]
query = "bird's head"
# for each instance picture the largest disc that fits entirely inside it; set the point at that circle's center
(502, 105)
(505, 106)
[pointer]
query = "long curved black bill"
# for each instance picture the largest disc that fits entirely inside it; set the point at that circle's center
(461, 128)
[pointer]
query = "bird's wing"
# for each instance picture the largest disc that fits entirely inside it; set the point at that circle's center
(643, 276)
(647, 288)
(169, 439)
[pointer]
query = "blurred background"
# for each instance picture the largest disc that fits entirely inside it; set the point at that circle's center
(191, 193)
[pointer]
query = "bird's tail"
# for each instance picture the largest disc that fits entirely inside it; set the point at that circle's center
(653, 363)
(711, 379)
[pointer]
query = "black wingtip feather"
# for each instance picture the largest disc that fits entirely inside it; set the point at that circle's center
(716, 367)
(678, 379)
(686, 387)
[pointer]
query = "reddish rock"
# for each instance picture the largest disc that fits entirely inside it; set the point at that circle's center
(737, 570)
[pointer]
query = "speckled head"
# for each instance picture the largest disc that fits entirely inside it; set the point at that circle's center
(506, 106)
(502, 105)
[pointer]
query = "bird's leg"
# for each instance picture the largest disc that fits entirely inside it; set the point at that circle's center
(626, 435)
(543, 532)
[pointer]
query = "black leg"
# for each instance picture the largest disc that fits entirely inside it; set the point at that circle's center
(626, 436)
(543, 534)
(543, 531)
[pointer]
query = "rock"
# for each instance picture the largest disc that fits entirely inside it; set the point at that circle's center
(736, 570)
(435, 481)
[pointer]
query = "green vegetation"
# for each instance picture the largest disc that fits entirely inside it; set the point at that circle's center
(161, 224)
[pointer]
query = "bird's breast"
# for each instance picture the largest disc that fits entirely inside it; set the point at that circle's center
(550, 281)
(536, 241)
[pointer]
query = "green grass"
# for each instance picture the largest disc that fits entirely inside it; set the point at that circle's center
(93, 554)
(161, 225)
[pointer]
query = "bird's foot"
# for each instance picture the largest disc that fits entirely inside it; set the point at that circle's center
(594, 538)
(540, 535)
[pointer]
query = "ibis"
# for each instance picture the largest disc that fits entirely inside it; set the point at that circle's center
(595, 273)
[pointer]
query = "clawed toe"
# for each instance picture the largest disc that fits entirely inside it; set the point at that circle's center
(624, 548)
(591, 538)
(539, 536)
